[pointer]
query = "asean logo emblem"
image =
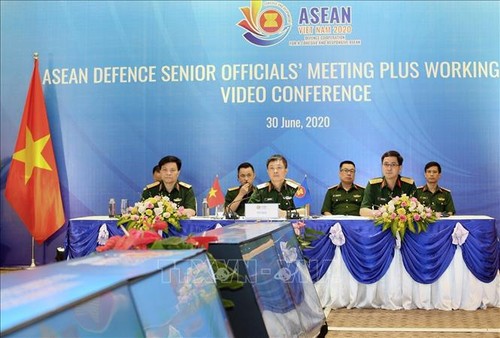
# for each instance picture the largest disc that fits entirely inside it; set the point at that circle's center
(301, 192)
(266, 23)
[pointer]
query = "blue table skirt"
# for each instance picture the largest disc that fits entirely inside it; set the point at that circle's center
(367, 251)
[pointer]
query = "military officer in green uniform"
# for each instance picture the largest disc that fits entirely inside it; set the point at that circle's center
(381, 190)
(431, 194)
(178, 192)
(344, 198)
(156, 173)
(278, 189)
(237, 197)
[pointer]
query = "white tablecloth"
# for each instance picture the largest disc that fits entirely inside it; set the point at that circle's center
(457, 288)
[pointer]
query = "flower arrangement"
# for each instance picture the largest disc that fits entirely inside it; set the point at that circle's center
(134, 239)
(225, 276)
(153, 212)
(404, 213)
(144, 222)
(305, 236)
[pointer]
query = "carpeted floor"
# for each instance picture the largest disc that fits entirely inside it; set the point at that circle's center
(413, 323)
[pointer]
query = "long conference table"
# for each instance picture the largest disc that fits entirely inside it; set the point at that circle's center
(454, 265)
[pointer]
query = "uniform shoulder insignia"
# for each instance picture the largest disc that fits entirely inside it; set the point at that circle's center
(263, 185)
(448, 190)
(233, 188)
(292, 183)
(185, 185)
(151, 185)
(407, 180)
(421, 187)
(376, 180)
(359, 186)
(333, 187)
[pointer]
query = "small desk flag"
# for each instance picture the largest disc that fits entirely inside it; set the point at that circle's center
(32, 186)
(302, 195)
(215, 196)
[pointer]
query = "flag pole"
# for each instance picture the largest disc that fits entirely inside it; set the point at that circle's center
(32, 252)
(307, 205)
(219, 208)
(33, 264)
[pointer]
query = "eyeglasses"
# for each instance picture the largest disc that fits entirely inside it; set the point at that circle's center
(352, 171)
(390, 165)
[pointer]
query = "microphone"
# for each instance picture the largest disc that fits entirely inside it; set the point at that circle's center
(229, 213)
(291, 212)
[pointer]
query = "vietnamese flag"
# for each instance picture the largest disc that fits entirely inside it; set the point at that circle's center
(32, 186)
(215, 196)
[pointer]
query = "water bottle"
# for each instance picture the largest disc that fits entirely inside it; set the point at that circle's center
(124, 206)
(204, 208)
(111, 207)
(219, 211)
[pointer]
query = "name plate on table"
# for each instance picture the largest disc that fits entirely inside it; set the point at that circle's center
(261, 211)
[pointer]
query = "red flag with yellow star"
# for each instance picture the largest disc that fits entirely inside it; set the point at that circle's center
(32, 186)
(215, 195)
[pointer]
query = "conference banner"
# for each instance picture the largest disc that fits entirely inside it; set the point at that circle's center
(218, 83)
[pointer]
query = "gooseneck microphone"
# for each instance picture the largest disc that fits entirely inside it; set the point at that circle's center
(229, 213)
(291, 211)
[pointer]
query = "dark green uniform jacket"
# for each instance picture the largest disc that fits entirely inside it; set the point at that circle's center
(439, 201)
(377, 193)
(182, 194)
(266, 193)
(231, 195)
(338, 201)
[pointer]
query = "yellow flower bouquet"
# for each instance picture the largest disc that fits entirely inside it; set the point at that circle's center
(144, 222)
(404, 213)
(151, 212)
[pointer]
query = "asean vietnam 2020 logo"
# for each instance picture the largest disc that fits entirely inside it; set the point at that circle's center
(266, 23)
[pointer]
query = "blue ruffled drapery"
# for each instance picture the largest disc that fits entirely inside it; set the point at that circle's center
(81, 238)
(481, 251)
(367, 252)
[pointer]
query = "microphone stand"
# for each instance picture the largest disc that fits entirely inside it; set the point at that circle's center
(229, 213)
(291, 212)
